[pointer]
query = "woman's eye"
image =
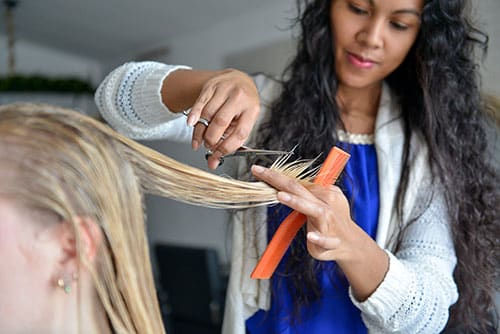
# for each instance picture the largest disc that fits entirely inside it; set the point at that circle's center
(399, 26)
(357, 10)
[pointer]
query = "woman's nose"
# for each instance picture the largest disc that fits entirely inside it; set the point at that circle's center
(371, 35)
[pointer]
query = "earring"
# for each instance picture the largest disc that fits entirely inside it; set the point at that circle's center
(65, 283)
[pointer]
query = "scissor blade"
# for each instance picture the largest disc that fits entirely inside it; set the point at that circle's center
(252, 151)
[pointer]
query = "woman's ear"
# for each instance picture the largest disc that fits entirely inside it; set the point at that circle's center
(90, 237)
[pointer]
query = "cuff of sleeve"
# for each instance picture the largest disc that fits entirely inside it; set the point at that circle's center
(153, 110)
(389, 295)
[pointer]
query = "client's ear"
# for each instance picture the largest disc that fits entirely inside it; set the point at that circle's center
(90, 236)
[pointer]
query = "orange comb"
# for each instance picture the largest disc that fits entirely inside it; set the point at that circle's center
(328, 174)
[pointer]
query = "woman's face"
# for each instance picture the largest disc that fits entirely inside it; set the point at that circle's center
(26, 285)
(372, 38)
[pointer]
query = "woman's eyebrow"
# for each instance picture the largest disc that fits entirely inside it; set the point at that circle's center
(408, 11)
(400, 11)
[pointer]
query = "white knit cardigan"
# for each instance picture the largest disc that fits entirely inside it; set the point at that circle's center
(418, 288)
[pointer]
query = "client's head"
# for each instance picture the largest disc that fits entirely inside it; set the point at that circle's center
(72, 238)
(72, 235)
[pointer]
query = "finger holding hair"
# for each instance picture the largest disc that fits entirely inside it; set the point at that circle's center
(291, 192)
(335, 234)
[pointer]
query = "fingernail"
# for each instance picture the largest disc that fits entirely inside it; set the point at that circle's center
(213, 164)
(257, 169)
(191, 121)
(313, 236)
(284, 197)
(195, 145)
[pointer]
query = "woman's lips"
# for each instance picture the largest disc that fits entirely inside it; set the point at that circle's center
(359, 61)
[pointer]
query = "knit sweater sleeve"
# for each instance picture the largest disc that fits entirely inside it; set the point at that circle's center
(418, 288)
(129, 99)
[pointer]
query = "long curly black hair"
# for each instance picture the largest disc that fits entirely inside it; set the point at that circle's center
(438, 89)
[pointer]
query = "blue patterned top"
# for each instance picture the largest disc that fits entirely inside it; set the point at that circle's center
(334, 311)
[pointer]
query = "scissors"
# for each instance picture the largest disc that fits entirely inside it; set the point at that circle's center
(242, 151)
(245, 151)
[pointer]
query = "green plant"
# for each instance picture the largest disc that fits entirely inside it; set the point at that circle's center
(37, 83)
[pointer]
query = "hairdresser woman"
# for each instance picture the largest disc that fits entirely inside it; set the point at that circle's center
(406, 243)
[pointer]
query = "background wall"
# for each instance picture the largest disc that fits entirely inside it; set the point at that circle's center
(488, 12)
(33, 58)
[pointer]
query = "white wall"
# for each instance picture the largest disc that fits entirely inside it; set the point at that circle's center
(488, 12)
(253, 29)
(209, 48)
(37, 59)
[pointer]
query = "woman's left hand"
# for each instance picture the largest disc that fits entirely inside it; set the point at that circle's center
(332, 234)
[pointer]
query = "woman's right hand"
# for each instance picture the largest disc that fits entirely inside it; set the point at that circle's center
(230, 102)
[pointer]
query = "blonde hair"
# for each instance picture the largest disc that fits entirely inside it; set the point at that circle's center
(63, 162)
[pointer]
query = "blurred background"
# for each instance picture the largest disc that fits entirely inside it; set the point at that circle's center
(49, 44)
